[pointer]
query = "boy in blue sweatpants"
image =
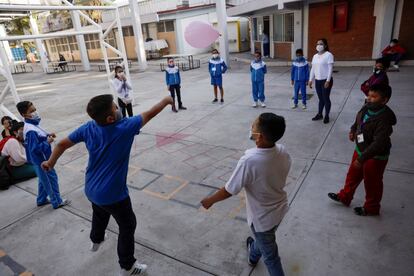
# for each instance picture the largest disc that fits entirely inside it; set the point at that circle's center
(173, 80)
(217, 67)
(299, 78)
(258, 70)
(38, 149)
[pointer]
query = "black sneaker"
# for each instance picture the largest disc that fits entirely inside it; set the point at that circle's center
(326, 120)
(249, 242)
(360, 211)
(174, 109)
(334, 197)
(215, 100)
(317, 117)
(222, 101)
(182, 108)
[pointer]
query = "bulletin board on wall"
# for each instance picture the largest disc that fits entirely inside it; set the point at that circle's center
(339, 17)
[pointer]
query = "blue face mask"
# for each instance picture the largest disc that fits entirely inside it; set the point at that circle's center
(299, 58)
(34, 117)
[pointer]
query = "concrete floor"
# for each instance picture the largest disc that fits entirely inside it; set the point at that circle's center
(180, 158)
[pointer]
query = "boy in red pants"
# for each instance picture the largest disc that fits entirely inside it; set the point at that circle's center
(371, 132)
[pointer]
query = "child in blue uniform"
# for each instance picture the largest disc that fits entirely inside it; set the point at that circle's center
(299, 78)
(173, 80)
(38, 149)
(258, 70)
(217, 67)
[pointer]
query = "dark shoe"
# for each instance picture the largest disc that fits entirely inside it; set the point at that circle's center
(63, 203)
(174, 109)
(249, 242)
(215, 100)
(334, 197)
(221, 101)
(360, 211)
(317, 117)
(182, 108)
(326, 120)
(43, 203)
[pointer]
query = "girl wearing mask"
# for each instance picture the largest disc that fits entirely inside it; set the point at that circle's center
(123, 89)
(379, 75)
(321, 73)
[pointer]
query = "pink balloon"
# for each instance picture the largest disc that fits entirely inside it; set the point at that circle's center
(200, 34)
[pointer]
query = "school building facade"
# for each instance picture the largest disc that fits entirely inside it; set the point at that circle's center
(160, 20)
(356, 30)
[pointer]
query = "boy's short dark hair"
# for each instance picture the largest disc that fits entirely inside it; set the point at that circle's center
(299, 51)
(258, 52)
(170, 58)
(4, 118)
(394, 40)
(23, 106)
(15, 126)
(215, 51)
(271, 126)
(384, 90)
(100, 107)
(384, 61)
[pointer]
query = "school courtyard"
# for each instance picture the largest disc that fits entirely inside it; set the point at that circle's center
(178, 159)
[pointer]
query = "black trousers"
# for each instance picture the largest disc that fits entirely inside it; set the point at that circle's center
(125, 107)
(175, 89)
(125, 218)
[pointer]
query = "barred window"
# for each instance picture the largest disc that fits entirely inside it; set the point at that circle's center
(283, 27)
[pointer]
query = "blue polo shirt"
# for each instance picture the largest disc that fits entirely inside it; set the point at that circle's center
(109, 147)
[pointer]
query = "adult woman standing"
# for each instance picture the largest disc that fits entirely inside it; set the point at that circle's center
(321, 72)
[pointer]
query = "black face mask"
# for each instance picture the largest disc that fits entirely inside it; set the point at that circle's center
(375, 106)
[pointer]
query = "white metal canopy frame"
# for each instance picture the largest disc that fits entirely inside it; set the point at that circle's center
(6, 64)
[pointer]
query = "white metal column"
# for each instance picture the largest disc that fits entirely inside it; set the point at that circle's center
(222, 26)
(10, 86)
(384, 11)
(139, 38)
(81, 41)
(39, 44)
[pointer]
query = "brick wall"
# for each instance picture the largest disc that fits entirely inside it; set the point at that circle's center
(283, 50)
(407, 29)
(354, 44)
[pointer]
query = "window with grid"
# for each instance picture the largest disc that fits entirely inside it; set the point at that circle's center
(128, 31)
(110, 39)
(283, 27)
(165, 26)
(92, 41)
(73, 45)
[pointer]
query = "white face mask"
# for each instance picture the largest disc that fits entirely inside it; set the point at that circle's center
(320, 48)
(35, 115)
(215, 55)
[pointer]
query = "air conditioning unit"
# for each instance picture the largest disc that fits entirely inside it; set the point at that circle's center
(183, 3)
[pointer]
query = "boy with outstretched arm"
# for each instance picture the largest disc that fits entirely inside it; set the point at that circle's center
(262, 172)
(108, 138)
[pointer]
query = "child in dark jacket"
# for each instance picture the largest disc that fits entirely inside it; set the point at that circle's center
(379, 76)
(371, 132)
(299, 78)
(258, 70)
(173, 80)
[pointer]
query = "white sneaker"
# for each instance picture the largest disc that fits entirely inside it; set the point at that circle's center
(136, 269)
(95, 246)
(396, 66)
(303, 106)
(254, 104)
(293, 106)
(262, 104)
